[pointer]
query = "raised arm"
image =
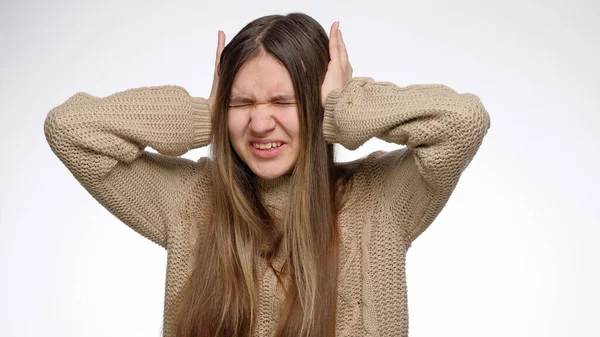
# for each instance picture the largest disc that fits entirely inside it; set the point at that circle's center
(102, 140)
(441, 129)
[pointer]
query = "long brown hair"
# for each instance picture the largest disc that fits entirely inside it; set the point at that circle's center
(220, 298)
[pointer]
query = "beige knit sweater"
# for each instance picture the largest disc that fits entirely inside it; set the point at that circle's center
(395, 196)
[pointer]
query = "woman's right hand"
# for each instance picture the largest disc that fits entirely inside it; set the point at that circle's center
(215, 84)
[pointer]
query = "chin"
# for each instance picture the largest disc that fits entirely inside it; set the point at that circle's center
(269, 169)
(269, 174)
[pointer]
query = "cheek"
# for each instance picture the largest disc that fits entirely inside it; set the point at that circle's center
(235, 125)
(291, 122)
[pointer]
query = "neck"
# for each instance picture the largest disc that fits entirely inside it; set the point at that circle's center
(274, 194)
(268, 185)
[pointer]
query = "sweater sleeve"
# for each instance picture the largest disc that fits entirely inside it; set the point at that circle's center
(101, 141)
(442, 131)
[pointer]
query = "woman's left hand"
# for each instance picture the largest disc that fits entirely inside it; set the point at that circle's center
(339, 70)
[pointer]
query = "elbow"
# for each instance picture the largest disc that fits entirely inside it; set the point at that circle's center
(52, 127)
(476, 116)
(55, 123)
(471, 110)
(468, 123)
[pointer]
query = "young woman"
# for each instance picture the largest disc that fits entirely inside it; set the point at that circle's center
(270, 237)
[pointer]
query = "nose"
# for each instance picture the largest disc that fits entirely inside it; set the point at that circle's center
(261, 120)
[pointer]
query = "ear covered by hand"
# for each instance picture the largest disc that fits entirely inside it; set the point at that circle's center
(339, 70)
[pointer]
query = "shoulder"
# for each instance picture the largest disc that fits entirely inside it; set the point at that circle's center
(190, 178)
(185, 169)
(374, 168)
(200, 174)
(195, 196)
(372, 179)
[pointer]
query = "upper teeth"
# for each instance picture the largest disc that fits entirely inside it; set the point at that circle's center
(266, 146)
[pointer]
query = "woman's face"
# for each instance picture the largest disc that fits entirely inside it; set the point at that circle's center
(263, 122)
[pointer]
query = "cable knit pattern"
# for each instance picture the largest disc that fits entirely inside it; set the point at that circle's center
(394, 196)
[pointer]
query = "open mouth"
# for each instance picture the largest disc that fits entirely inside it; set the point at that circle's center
(267, 150)
(267, 146)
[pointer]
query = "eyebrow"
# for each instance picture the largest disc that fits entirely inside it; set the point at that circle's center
(278, 97)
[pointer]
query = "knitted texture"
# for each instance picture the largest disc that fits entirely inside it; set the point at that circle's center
(394, 196)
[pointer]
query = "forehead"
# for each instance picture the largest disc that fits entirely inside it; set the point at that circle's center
(262, 76)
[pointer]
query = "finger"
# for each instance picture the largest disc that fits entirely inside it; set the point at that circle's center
(343, 53)
(220, 44)
(332, 29)
(333, 43)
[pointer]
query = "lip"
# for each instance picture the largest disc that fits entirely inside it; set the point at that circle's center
(270, 153)
(264, 141)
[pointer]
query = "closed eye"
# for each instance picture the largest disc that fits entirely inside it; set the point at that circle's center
(241, 105)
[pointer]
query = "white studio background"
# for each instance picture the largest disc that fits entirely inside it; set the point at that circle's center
(514, 252)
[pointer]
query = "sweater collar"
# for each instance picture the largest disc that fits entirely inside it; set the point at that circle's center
(279, 184)
(274, 194)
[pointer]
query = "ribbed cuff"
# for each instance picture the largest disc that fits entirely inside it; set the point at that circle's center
(201, 122)
(330, 130)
